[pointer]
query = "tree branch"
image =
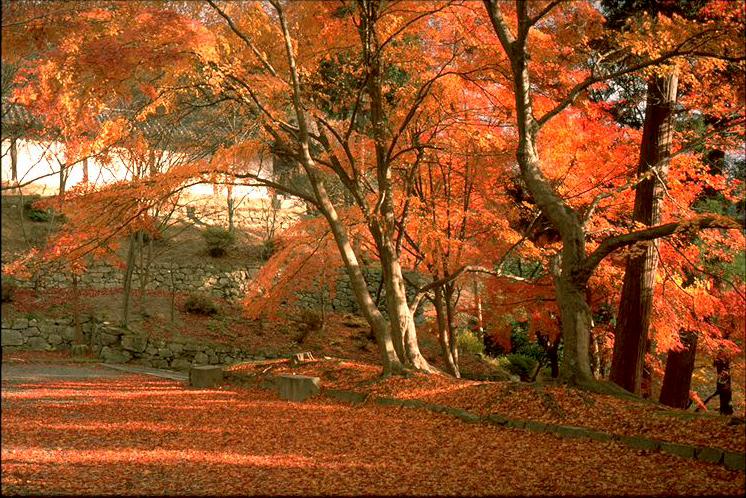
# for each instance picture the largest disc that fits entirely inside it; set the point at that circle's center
(245, 38)
(612, 244)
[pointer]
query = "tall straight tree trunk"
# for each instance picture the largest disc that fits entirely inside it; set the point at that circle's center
(444, 336)
(127, 293)
(63, 177)
(451, 328)
(679, 368)
(631, 335)
(14, 159)
(76, 310)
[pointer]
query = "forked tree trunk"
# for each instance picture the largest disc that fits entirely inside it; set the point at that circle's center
(400, 314)
(383, 227)
(679, 368)
(635, 306)
(373, 316)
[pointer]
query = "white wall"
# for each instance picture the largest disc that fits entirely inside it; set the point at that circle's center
(38, 163)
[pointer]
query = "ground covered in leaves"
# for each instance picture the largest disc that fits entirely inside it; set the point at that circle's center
(129, 434)
(553, 404)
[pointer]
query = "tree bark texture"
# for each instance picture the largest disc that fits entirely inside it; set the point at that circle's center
(631, 335)
(677, 379)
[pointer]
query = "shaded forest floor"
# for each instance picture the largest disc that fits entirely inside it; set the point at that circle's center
(129, 434)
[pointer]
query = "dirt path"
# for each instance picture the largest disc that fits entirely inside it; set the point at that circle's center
(70, 429)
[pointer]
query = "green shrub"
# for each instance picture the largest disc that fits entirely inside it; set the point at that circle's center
(469, 342)
(9, 286)
(36, 214)
(522, 365)
(40, 215)
(201, 304)
(268, 249)
(218, 240)
(520, 343)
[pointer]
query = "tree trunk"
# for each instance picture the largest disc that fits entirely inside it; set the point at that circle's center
(400, 316)
(382, 331)
(231, 212)
(630, 338)
(478, 302)
(724, 389)
(171, 271)
(391, 363)
(443, 333)
(128, 281)
(85, 170)
(551, 349)
(570, 287)
(679, 368)
(576, 325)
(451, 324)
(14, 159)
(76, 311)
(398, 327)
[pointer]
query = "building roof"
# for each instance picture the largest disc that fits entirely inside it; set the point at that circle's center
(19, 121)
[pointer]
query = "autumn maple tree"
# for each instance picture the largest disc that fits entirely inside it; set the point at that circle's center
(516, 27)
(457, 139)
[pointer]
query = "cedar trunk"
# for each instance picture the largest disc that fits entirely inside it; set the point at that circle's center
(679, 367)
(631, 335)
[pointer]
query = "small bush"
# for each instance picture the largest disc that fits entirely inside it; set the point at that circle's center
(308, 320)
(9, 286)
(523, 345)
(40, 215)
(218, 240)
(469, 342)
(268, 249)
(200, 304)
(521, 365)
(36, 214)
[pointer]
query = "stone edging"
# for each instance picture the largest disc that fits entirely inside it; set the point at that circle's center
(731, 460)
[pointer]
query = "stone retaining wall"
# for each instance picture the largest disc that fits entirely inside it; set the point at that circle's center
(117, 345)
(229, 285)
(344, 298)
(206, 278)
